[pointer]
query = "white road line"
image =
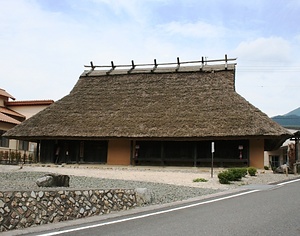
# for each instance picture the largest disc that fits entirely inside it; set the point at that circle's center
(288, 182)
(147, 215)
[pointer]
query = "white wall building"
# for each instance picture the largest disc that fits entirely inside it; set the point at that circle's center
(13, 113)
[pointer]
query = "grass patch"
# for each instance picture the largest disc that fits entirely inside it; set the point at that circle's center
(200, 180)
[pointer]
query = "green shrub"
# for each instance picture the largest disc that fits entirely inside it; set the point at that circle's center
(243, 171)
(236, 174)
(30, 158)
(252, 171)
(274, 168)
(225, 177)
(200, 180)
(232, 174)
(18, 157)
(12, 156)
(266, 167)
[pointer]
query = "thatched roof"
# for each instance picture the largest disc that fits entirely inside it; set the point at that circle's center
(164, 104)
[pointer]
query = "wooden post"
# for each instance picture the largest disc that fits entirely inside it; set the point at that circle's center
(162, 153)
(178, 64)
(195, 154)
(37, 157)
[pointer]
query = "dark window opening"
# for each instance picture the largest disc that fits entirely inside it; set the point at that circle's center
(4, 142)
(23, 145)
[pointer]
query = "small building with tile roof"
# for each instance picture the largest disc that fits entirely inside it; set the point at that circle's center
(13, 113)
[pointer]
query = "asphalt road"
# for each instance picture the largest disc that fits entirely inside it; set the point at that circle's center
(256, 210)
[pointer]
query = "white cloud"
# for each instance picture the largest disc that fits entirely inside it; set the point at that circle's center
(133, 10)
(265, 49)
(267, 74)
(37, 48)
(198, 29)
(43, 49)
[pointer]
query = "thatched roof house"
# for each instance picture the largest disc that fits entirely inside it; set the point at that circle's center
(144, 114)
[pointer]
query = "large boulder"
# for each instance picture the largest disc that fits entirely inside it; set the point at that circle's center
(53, 180)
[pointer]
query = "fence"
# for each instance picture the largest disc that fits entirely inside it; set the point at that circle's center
(16, 157)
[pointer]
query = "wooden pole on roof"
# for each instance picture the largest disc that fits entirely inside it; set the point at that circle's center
(155, 66)
(202, 63)
(132, 67)
(178, 64)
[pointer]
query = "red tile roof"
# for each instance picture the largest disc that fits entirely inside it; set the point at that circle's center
(8, 119)
(5, 94)
(7, 111)
(29, 103)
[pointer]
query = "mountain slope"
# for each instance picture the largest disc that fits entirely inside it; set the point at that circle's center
(290, 121)
(294, 112)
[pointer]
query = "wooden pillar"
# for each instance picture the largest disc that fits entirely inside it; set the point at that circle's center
(118, 152)
(256, 153)
(162, 153)
(195, 154)
(132, 152)
(37, 157)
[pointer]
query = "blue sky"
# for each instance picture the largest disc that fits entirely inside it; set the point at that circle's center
(45, 43)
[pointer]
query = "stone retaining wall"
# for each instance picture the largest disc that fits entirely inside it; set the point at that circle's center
(21, 209)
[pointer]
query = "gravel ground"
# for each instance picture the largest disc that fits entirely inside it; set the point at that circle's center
(161, 193)
(166, 184)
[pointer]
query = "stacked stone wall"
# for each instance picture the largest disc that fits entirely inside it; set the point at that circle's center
(21, 209)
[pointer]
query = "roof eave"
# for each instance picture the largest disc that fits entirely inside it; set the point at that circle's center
(270, 141)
